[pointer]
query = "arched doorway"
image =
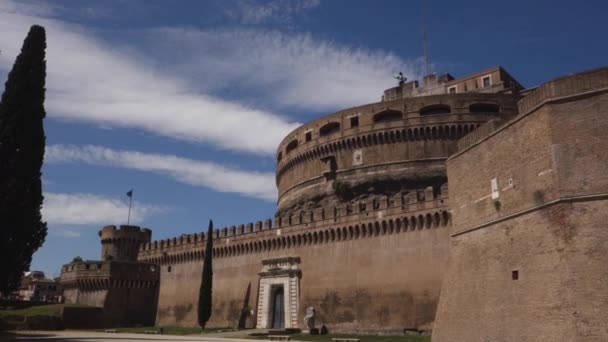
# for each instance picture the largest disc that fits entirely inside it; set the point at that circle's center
(278, 308)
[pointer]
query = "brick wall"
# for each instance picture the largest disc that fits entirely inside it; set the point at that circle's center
(546, 221)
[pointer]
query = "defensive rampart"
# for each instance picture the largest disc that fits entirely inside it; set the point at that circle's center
(122, 244)
(528, 241)
(127, 291)
(348, 262)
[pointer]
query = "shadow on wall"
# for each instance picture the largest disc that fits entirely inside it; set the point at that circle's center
(246, 310)
(403, 309)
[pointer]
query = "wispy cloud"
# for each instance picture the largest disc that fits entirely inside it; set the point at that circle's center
(64, 211)
(90, 80)
(192, 172)
(279, 11)
(279, 70)
(218, 86)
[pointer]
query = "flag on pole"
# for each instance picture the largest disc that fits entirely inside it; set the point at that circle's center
(130, 193)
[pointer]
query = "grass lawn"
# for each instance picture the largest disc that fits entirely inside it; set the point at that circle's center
(48, 310)
(362, 338)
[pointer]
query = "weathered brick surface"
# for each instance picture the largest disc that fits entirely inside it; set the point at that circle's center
(562, 290)
(377, 282)
(549, 225)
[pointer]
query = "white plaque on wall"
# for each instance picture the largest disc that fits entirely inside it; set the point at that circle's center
(358, 157)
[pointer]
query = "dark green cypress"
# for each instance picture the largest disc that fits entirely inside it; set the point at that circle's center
(22, 141)
(204, 295)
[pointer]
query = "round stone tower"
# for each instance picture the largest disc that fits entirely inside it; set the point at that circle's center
(387, 147)
(123, 244)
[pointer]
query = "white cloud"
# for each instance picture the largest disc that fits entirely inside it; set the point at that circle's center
(176, 81)
(281, 11)
(192, 172)
(90, 209)
(280, 70)
(93, 81)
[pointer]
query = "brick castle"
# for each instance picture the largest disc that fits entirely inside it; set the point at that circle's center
(367, 233)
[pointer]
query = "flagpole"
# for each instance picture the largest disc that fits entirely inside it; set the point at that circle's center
(130, 194)
(129, 215)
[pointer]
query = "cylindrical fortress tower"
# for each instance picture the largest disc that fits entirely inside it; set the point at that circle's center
(123, 244)
(379, 148)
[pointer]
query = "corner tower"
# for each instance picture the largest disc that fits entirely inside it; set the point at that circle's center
(123, 244)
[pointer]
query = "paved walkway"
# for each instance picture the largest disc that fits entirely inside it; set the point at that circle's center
(86, 336)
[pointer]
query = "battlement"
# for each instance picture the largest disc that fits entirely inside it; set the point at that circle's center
(122, 243)
(96, 275)
(425, 207)
(125, 232)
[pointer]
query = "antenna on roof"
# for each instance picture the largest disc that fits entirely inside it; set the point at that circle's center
(424, 48)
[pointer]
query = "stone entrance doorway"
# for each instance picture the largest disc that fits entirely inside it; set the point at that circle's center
(278, 307)
(278, 296)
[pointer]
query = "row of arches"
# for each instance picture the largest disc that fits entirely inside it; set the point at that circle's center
(352, 232)
(440, 132)
(101, 284)
(394, 115)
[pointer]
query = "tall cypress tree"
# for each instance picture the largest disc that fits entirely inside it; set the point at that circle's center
(204, 295)
(22, 141)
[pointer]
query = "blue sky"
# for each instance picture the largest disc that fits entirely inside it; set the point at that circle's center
(185, 102)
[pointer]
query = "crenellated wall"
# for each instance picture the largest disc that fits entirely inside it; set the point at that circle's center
(122, 244)
(423, 207)
(347, 264)
(127, 291)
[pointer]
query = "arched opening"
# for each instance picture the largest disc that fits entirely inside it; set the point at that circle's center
(484, 108)
(279, 156)
(435, 109)
(329, 128)
(291, 146)
(388, 115)
(446, 218)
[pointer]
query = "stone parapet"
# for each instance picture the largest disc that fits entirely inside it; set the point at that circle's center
(122, 243)
(97, 275)
(418, 210)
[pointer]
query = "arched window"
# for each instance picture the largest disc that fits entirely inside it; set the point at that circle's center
(291, 146)
(484, 108)
(329, 128)
(279, 156)
(435, 109)
(388, 115)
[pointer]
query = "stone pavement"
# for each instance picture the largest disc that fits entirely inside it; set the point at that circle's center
(87, 336)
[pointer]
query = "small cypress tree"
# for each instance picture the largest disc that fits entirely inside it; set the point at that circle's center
(204, 296)
(22, 141)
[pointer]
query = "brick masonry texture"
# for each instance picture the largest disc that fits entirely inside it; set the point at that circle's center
(545, 224)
